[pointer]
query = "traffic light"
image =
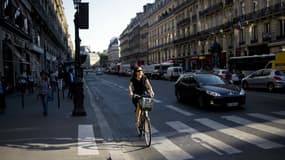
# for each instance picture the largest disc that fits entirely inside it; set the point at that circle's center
(83, 22)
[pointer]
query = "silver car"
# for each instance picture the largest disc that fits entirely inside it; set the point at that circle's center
(269, 79)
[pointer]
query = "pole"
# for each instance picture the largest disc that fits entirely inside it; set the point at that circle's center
(77, 89)
(58, 97)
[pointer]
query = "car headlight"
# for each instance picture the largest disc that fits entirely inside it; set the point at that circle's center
(215, 94)
(242, 92)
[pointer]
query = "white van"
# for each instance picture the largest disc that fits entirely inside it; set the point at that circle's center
(173, 73)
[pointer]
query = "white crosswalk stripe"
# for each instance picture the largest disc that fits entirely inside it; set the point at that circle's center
(86, 141)
(244, 136)
(268, 118)
(157, 101)
(179, 110)
(281, 113)
(258, 126)
(169, 150)
(205, 140)
(153, 130)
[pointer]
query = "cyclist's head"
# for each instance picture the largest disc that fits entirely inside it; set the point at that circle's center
(138, 71)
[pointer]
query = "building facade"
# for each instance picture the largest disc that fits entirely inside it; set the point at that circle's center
(204, 33)
(33, 37)
(113, 52)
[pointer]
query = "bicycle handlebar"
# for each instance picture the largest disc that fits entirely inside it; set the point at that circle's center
(140, 96)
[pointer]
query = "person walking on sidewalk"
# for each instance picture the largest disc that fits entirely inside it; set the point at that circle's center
(43, 91)
(2, 94)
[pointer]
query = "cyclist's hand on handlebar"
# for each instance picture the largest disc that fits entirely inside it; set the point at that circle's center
(152, 94)
(136, 96)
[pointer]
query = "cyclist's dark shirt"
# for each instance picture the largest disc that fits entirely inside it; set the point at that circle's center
(139, 85)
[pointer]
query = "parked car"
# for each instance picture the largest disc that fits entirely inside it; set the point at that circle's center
(269, 79)
(99, 71)
(173, 73)
(208, 90)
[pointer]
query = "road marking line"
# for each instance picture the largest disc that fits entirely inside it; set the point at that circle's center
(179, 110)
(203, 139)
(281, 113)
(116, 155)
(86, 141)
(157, 101)
(169, 150)
(257, 126)
(153, 130)
(268, 118)
(247, 137)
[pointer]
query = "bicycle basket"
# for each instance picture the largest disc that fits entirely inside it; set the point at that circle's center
(146, 103)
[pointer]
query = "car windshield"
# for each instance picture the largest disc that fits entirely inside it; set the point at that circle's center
(208, 79)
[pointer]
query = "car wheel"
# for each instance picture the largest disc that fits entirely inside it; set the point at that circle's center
(245, 85)
(201, 102)
(270, 87)
(178, 96)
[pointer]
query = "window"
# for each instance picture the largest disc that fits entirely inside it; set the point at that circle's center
(267, 27)
(254, 6)
(242, 7)
(267, 3)
(266, 72)
(241, 35)
(8, 9)
(254, 32)
(6, 3)
(282, 27)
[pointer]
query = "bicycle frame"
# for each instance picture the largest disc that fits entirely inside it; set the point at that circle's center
(145, 127)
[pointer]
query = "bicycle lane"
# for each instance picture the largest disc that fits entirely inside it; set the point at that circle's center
(108, 143)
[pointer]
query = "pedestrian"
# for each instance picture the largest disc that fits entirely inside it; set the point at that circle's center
(30, 82)
(2, 95)
(43, 91)
(53, 83)
(70, 83)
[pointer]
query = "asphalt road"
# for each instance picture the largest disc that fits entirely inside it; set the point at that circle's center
(184, 131)
(179, 130)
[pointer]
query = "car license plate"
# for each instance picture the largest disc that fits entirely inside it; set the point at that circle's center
(232, 104)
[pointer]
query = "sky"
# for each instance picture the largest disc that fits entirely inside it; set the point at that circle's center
(107, 19)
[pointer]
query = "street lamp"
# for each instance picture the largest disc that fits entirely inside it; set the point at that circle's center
(80, 22)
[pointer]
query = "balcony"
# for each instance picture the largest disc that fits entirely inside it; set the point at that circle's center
(212, 9)
(183, 22)
(266, 36)
(280, 37)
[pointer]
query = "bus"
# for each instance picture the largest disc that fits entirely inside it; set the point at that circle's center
(278, 62)
(248, 64)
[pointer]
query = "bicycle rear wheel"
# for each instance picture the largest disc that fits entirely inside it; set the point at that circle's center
(147, 131)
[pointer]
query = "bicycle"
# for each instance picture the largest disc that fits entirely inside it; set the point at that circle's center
(144, 128)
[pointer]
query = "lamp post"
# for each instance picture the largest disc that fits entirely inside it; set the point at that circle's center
(77, 88)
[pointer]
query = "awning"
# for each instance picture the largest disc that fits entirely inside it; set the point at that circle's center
(18, 55)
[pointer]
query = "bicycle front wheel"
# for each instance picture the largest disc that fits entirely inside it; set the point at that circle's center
(147, 132)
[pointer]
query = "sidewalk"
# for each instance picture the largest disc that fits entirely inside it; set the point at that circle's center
(33, 106)
(26, 134)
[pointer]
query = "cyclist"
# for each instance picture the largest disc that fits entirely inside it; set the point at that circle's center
(140, 85)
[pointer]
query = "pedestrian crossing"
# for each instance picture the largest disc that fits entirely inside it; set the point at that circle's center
(228, 130)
